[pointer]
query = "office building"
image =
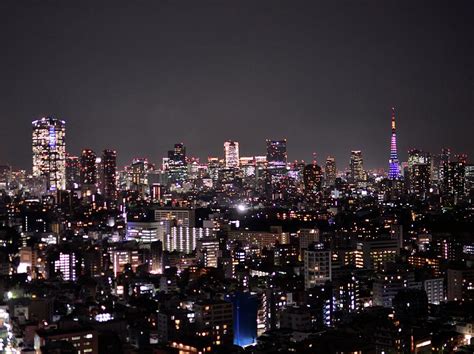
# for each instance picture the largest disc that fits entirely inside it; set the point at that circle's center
(357, 172)
(330, 171)
(312, 179)
(231, 154)
(455, 179)
(277, 156)
(66, 266)
(434, 289)
(377, 253)
(88, 172)
(138, 173)
(175, 216)
(177, 165)
(244, 313)
(73, 172)
(184, 238)
(109, 174)
(49, 152)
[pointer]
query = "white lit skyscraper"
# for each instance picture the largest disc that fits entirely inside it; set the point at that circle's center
(231, 154)
(49, 152)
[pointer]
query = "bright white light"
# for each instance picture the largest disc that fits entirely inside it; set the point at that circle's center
(241, 207)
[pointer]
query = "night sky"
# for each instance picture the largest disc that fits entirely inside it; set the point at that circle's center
(138, 76)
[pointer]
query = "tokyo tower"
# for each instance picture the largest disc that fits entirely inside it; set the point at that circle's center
(393, 165)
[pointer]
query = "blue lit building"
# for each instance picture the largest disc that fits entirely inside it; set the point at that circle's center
(244, 311)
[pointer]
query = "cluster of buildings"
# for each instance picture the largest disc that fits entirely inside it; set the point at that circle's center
(238, 254)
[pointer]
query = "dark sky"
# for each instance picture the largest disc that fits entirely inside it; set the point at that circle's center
(140, 75)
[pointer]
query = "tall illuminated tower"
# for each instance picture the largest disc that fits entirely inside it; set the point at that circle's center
(109, 174)
(393, 165)
(88, 171)
(49, 152)
(231, 154)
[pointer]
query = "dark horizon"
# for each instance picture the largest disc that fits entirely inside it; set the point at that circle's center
(140, 78)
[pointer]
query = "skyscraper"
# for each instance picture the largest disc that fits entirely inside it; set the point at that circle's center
(231, 154)
(312, 178)
(177, 165)
(109, 174)
(419, 172)
(330, 171)
(455, 178)
(276, 153)
(393, 165)
(88, 170)
(49, 152)
(139, 172)
(357, 166)
(445, 159)
(73, 172)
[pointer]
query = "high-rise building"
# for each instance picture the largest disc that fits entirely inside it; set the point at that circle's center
(377, 253)
(176, 216)
(184, 239)
(244, 308)
(434, 289)
(177, 165)
(330, 171)
(317, 266)
(445, 159)
(208, 252)
(138, 174)
(416, 157)
(394, 166)
(276, 154)
(419, 172)
(49, 152)
(312, 178)
(109, 174)
(73, 172)
(455, 178)
(66, 266)
(357, 166)
(88, 171)
(231, 154)
(214, 321)
(388, 284)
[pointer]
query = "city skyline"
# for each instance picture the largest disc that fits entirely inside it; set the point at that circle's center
(315, 156)
(322, 93)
